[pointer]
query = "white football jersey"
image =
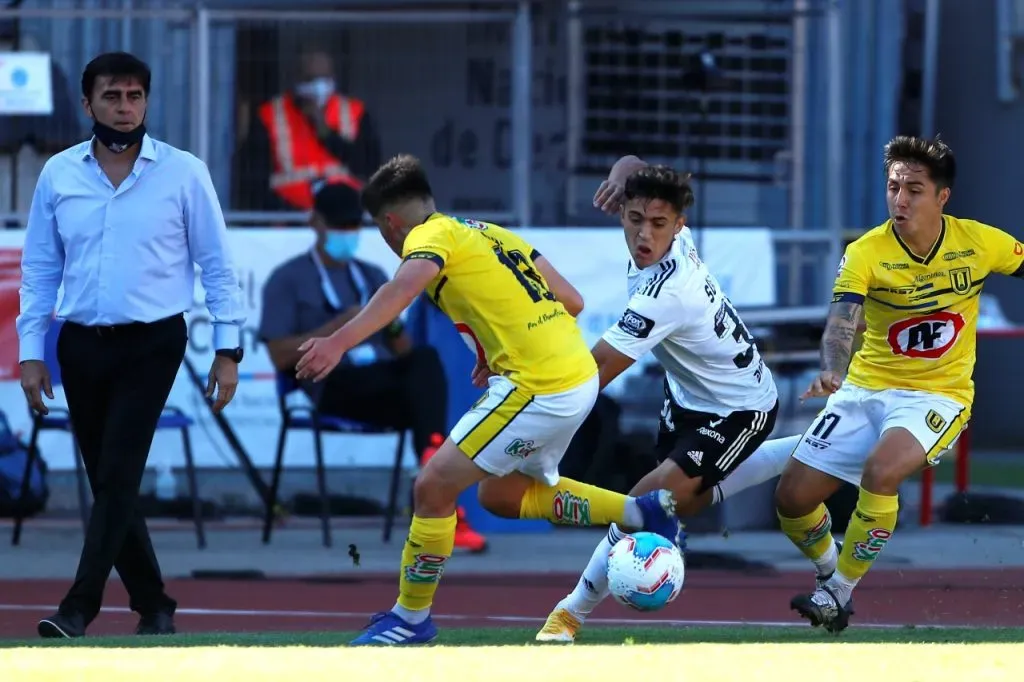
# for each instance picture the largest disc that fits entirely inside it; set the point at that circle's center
(678, 312)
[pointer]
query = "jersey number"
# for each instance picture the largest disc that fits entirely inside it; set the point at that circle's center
(826, 425)
(529, 278)
(739, 333)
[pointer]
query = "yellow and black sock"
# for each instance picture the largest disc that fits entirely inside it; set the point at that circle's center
(427, 549)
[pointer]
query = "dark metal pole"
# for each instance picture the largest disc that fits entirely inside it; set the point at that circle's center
(229, 434)
(702, 196)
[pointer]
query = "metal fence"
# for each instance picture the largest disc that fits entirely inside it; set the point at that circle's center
(516, 106)
(416, 71)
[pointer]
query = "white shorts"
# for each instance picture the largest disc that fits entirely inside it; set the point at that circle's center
(844, 433)
(507, 430)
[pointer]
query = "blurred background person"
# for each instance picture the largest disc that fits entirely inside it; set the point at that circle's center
(310, 132)
(27, 141)
(386, 381)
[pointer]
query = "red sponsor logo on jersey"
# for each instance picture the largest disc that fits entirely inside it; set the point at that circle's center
(928, 336)
(472, 342)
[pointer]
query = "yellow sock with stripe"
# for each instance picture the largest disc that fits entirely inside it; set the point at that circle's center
(578, 504)
(812, 535)
(427, 549)
(871, 526)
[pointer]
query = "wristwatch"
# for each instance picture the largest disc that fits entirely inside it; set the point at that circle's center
(233, 353)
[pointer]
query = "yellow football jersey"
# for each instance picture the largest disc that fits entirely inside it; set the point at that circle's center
(501, 304)
(921, 313)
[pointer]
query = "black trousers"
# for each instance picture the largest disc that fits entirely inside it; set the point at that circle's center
(408, 392)
(116, 380)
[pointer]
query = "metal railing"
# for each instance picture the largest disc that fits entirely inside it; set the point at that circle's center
(482, 95)
(198, 80)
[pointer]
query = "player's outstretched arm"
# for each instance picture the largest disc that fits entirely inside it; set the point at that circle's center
(610, 362)
(321, 355)
(387, 304)
(836, 347)
(566, 293)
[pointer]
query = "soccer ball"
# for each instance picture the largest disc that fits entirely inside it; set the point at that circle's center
(645, 571)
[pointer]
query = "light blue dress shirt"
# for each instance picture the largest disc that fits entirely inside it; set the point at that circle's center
(126, 254)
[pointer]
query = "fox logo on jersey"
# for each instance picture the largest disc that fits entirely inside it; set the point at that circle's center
(635, 324)
(927, 337)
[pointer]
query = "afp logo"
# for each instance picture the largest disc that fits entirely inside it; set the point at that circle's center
(635, 324)
(928, 337)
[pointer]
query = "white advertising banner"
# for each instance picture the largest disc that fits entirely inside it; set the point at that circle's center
(593, 259)
(26, 87)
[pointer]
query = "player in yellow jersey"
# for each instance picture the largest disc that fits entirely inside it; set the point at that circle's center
(906, 396)
(517, 314)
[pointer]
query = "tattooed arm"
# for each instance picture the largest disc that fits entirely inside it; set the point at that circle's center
(837, 341)
(836, 347)
(853, 281)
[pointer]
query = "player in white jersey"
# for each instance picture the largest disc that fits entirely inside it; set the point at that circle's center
(720, 398)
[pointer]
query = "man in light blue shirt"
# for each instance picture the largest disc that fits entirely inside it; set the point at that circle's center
(119, 221)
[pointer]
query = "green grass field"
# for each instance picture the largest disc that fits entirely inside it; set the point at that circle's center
(509, 654)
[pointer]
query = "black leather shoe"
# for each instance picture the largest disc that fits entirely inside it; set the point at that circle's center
(159, 623)
(62, 626)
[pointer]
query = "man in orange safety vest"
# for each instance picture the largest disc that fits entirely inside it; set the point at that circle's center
(311, 133)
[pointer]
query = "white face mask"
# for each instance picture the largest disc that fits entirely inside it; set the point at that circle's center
(319, 90)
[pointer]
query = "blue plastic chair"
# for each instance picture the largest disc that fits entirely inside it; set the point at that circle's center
(307, 418)
(59, 419)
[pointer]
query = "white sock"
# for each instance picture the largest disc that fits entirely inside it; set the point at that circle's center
(632, 515)
(593, 585)
(826, 563)
(409, 616)
(842, 587)
(766, 463)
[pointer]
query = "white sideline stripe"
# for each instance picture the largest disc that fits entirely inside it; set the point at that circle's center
(260, 613)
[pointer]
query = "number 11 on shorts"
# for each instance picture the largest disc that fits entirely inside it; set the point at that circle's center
(826, 424)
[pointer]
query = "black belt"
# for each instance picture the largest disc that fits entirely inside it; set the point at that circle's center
(124, 329)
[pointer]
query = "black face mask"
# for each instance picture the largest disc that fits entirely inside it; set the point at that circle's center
(116, 140)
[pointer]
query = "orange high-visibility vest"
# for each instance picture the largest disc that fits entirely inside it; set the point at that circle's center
(299, 157)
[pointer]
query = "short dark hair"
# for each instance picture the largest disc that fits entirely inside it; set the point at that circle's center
(660, 182)
(338, 204)
(934, 154)
(118, 65)
(400, 179)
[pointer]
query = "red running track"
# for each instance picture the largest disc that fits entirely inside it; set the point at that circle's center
(971, 598)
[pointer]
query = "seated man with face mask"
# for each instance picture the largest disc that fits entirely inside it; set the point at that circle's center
(381, 382)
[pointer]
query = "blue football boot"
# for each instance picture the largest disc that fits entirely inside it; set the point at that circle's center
(388, 629)
(658, 508)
